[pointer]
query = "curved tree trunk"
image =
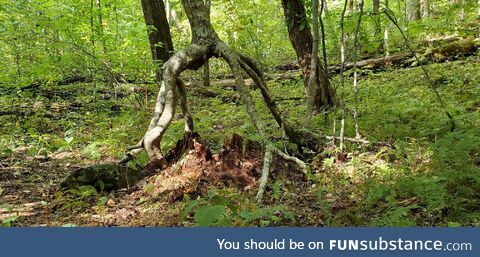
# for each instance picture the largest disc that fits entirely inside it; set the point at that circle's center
(302, 41)
(206, 44)
(161, 47)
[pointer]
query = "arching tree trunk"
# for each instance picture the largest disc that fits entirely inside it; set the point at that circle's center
(161, 47)
(206, 44)
(302, 41)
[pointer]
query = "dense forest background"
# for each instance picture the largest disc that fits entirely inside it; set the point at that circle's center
(396, 143)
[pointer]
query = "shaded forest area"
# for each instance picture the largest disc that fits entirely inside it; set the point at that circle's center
(214, 113)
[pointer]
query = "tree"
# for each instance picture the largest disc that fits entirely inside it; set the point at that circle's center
(378, 25)
(204, 45)
(413, 10)
(161, 44)
(425, 6)
(302, 41)
(311, 88)
(206, 66)
(161, 47)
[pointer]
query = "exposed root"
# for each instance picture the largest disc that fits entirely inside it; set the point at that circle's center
(267, 160)
(172, 88)
(184, 106)
(234, 60)
(297, 161)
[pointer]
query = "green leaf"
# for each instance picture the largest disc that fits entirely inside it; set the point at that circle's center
(102, 201)
(453, 224)
(246, 215)
(7, 222)
(149, 189)
(87, 190)
(7, 207)
(5, 153)
(68, 139)
(91, 151)
(328, 162)
(207, 216)
(189, 207)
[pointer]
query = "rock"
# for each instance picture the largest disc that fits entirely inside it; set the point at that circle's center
(103, 176)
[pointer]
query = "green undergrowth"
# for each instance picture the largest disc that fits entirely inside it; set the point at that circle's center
(418, 174)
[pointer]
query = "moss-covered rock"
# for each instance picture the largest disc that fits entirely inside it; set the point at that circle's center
(103, 177)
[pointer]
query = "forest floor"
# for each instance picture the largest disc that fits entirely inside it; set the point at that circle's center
(415, 172)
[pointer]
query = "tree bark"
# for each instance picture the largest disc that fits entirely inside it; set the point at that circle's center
(386, 46)
(172, 88)
(413, 10)
(302, 41)
(425, 6)
(100, 26)
(313, 64)
(378, 25)
(206, 66)
(161, 44)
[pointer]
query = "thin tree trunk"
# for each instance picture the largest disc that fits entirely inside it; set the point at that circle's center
(462, 11)
(325, 7)
(100, 26)
(302, 42)
(424, 69)
(425, 6)
(350, 7)
(413, 10)
(92, 40)
(386, 46)
(206, 66)
(313, 64)
(342, 77)
(432, 9)
(322, 30)
(117, 30)
(355, 75)
(161, 44)
(167, 10)
(378, 25)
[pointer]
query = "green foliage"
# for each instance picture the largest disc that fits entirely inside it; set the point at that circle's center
(227, 208)
(209, 215)
(7, 221)
(92, 151)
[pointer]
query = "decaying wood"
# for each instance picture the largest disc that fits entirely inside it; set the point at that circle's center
(197, 169)
(449, 51)
(375, 64)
